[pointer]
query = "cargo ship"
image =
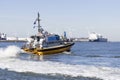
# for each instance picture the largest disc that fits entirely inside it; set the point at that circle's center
(44, 43)
(94, 37)
(2, 36)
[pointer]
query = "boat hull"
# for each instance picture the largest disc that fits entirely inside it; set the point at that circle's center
(51, 50)
(99, 40)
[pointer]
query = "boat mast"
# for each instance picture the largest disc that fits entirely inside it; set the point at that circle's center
(38, 19)
(40, 29)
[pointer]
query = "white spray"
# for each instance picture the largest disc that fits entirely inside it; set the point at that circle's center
(10, 51)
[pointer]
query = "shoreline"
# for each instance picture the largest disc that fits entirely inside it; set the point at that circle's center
(13, 40)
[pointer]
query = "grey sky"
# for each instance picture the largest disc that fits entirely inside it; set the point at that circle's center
(76, 17)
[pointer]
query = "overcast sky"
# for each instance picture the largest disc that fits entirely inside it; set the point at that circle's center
(76, 17)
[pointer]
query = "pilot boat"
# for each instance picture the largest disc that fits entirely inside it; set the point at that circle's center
(45, 43)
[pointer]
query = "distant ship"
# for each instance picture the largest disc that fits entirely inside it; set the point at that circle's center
(2, 36)
(94, 37)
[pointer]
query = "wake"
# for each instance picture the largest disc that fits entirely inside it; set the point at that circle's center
(49, 67)
(9, 51)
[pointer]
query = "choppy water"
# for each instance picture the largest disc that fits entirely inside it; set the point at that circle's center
(86, 61)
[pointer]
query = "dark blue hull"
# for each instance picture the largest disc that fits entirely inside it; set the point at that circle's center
(2, 38)
(99, 40)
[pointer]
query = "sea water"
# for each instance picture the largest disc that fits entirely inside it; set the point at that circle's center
(86, 61)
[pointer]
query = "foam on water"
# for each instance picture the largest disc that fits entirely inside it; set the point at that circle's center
(49, 67)
(10, 51)
(46, 67)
